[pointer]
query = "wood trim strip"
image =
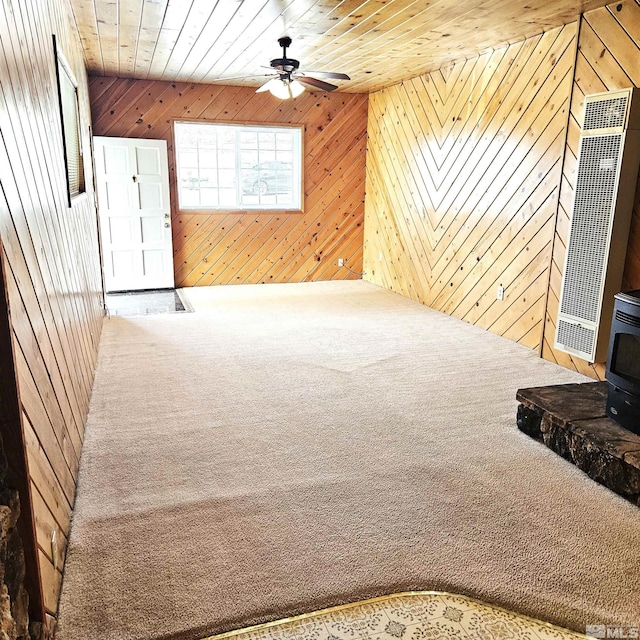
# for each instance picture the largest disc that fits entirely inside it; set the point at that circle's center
(565, 143)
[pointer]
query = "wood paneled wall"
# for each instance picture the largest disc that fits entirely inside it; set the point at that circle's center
(52, 270)
(463, 174)
(255, 247)
(608, 59)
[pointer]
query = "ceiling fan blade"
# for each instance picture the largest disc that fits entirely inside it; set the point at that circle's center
(327, 74)
(318, 84)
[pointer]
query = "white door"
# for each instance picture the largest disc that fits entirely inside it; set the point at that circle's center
(132, 178)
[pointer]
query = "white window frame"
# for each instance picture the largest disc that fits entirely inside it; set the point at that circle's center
(296, 203)
(68, 136)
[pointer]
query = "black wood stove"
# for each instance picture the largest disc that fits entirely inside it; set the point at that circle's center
(623, 362)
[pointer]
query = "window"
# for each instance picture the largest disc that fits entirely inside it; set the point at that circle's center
(222, 166)
(70, 112)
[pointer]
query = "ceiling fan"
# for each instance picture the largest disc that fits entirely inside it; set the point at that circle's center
(287, 80)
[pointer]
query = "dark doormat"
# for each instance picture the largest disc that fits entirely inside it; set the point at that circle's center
(137, 303)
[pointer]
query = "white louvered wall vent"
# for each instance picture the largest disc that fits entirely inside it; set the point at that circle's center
(607, 170)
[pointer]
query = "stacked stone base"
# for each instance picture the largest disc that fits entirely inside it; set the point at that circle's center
(571, 420)
(14, 601)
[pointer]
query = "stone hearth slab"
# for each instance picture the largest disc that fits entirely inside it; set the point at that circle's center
(571, 420)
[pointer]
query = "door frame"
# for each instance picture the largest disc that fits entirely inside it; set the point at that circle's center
(98, 191)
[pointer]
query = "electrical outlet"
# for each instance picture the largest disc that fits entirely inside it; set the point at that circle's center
(341, 262)
(500, 293)
(54, 548)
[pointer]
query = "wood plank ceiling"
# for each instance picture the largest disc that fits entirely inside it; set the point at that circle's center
(377, 42)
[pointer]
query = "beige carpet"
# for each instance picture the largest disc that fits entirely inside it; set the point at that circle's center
(293, 447)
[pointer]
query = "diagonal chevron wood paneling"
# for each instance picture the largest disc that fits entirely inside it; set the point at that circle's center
(255, 247)
(608, 58)
(463, 175)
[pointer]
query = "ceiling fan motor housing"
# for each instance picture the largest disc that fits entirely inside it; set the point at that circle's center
(285, 64)
(291, 78)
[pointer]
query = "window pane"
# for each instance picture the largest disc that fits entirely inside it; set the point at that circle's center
(71, 131)
(208, 178)
(284, 141)
(209, 197)
(189, 197)
(228, 197)
(205, 137)
(189, 158)
(249, 140)
(266, 157)
(248, 159)
(227, 158)
(236, 166)
(227, 138)
(285, 156)
(267, 140)
(208, 159)
(186, 137)
(227, 178)
(190, 179)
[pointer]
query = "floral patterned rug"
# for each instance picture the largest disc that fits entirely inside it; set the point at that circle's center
(425, 615)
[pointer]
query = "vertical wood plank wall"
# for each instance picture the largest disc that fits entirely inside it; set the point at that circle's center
(254, 247)
(608, 59)
(463, 169)
(51, 262)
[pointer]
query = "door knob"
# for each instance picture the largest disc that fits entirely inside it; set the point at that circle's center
(167, 220)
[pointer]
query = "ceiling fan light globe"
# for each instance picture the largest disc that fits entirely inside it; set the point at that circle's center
(296, 88)
(264, 87)
(276, 87)
(280, 89)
